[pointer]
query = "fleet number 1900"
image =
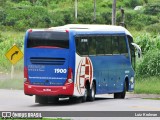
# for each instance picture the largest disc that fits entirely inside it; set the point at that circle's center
(60, 70)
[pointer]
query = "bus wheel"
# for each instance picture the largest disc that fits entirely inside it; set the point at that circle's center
(41, 99)
(122, 94)
(91, 96)
(84, 98)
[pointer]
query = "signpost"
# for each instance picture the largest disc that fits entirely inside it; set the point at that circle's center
(114, 12)
(14, 55)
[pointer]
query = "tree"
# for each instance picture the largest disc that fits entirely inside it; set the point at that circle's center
(33, 1)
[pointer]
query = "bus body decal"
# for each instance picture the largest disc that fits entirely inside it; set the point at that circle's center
(84, 72)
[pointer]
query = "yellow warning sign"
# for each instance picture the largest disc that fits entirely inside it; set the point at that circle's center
(14, 54)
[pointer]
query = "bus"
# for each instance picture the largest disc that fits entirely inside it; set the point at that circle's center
(78, 61)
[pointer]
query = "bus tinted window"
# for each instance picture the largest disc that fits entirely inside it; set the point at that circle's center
(119, 45)
(115, 45)
(92, 45)
(122, 45)
(82, 45)
(101, 45)
(108, 42)
(48, 39)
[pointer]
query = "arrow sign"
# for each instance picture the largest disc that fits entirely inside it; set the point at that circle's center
(15, 53)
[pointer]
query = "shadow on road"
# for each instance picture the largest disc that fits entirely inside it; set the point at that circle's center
(68, 102)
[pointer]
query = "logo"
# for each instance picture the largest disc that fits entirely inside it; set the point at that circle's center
(12, 115)
(6, 115)
(84, 72)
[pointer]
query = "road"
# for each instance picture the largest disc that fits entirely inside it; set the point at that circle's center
(15, 100)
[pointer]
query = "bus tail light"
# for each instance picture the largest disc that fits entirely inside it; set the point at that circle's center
(67, 31)
(26, 75)
(70, 76)
(30, 30)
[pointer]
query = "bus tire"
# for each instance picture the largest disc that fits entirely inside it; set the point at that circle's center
(91, 95)
(84, 97)
(121, 95)
(41, 99)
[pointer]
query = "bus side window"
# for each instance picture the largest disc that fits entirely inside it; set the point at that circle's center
(108, 42)
(82, 45)
(123, 45)
(92, 45)
(100, 45)
(78, 45)
(115, 45)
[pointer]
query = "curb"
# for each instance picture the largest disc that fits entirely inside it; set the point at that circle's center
(132, 95)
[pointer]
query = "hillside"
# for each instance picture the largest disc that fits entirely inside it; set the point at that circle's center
(21, 15)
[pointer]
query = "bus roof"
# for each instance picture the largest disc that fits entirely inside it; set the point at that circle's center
(93, 27)
(88, 28)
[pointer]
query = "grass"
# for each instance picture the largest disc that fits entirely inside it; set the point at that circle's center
(152, 98)
(12, 84)
(7, 83)
(147, 85)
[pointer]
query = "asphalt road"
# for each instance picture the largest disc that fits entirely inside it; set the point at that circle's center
(15, 100)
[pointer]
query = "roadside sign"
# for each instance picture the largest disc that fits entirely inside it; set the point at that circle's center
(14, 54)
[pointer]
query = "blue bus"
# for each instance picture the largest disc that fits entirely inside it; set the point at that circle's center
(78, 60)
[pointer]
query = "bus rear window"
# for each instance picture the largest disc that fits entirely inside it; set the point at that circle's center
(48, 39)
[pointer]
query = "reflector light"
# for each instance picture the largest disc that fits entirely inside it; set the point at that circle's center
(26, 75)
(70, 76)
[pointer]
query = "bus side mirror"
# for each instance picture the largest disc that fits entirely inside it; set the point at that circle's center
(138, 49)
(139, 55)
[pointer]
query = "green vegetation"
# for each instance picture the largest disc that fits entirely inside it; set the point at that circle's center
(16, 16)
(7, 39)
(152, 98)
(147, 84)
(15, 84)
(21, 15)
(150, 62)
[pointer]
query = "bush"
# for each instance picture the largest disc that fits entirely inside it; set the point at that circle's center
(150, 64)
(148, 42)
(152, 9)
(139, 20)
(107, 17)
(62, 17)
(154, 28)
(27, 17)
(133, 3)
(150, 45)
(105, 4)
(2, 14)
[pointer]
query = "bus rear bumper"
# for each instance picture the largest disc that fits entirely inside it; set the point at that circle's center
(66, 90)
